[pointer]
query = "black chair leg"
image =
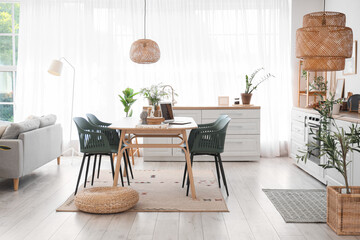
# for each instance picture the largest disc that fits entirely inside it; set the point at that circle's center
(128, 160)
(217, 170)
(183, 182)
(112, 165)
(126, 169)
(87, 170)
(223, 174)
(93, 173)
(98, 174)
(80, 172)
(188, 179)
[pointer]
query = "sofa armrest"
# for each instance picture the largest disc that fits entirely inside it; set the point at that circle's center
(41, 146)
(11, 161)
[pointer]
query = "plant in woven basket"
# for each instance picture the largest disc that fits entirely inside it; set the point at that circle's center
(5, 148)
(333, 142)
(128, 100)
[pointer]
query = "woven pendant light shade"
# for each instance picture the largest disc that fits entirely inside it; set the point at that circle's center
(324, 42)
(144, 51)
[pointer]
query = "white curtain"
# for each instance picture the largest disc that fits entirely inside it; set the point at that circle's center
(207, 47)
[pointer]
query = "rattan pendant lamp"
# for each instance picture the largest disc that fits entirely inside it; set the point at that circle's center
(144, 51)
(324, 41)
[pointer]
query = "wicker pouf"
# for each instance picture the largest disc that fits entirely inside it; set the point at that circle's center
(106, 199)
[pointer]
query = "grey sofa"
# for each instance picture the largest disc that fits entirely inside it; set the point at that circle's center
(30, 151)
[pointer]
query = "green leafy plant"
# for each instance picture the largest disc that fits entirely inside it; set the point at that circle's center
(250, 86)
(155, 93)
(318, 84)
(5, 148)
(333, 142)
(128, 100)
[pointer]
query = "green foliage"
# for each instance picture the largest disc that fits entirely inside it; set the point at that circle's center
(128, 100)
(333, 143)
(6, 50)
(250, 86)
(155, 93)
(318, 84)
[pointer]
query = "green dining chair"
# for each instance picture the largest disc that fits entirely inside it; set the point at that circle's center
(114, 140)
(210, 141)
(201, 126)
(93, 142)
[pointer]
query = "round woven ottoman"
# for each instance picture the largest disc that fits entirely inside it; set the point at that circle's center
(106, 199)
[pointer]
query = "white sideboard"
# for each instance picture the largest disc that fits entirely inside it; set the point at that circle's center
(299, 139)
(242, 141)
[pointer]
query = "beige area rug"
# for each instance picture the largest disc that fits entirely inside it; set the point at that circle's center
(160, 191)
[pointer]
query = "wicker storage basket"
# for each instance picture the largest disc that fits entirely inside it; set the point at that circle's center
(106, 199)
(155, 120)
(343, 210)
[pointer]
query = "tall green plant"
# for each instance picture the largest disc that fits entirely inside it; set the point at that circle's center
(250, 86)
(128, 100)
(333, 143)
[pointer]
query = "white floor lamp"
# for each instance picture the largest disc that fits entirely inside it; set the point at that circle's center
(56, 69)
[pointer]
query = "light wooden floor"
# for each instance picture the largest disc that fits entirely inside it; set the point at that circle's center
(30, 212)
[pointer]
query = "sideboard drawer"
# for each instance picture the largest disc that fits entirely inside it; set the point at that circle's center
(158, 151)
(298, 116)
(245, 145)
(242, 113)
(195, 114)
(240, 126)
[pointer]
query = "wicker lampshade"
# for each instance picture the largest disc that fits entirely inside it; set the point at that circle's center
(324, 42)
(144, 51)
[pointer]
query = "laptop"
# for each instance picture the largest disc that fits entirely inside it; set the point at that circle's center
(168, 114)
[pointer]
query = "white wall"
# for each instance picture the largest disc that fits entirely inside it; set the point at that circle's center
(298, 9)
(351, 9)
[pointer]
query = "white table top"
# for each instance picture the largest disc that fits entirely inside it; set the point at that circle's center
(129, 123)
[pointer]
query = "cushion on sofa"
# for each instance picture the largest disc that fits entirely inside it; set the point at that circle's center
(14, 129)
(2, 130)
(47, 120)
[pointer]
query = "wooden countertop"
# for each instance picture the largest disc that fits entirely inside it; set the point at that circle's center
(353, 117)
(217, 107)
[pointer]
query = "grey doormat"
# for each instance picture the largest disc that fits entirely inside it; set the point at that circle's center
(299, 205)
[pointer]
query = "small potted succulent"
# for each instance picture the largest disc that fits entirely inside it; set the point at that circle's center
(250, 86)
(128, 100)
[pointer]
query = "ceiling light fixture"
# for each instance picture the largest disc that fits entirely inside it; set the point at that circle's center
(144, 51)
(324, 41)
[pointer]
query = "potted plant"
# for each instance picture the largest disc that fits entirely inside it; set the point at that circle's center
(154, 94)
(334, 143)
(128, 100)
(250, 86)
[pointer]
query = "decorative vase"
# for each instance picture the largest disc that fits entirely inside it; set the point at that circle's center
(144, 115)
(157, 111)
(336, 109)
(343, 210)
(246, 98)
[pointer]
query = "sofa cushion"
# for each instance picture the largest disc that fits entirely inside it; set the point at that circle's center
(2, 130)
(14, 129)
(47, 120)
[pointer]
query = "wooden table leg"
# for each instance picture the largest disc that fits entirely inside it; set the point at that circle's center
(118, 159)
(189, 168)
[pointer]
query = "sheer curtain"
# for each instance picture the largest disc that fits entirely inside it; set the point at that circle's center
(207, 47)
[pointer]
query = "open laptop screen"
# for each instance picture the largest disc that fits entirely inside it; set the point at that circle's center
(167, 111)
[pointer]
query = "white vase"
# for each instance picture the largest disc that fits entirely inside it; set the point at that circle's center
(336, 109)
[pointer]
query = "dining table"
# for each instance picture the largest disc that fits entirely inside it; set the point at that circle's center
(131, 128)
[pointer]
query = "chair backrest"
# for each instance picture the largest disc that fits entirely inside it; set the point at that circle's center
(94, 120)
(91, 140)
(211, 139)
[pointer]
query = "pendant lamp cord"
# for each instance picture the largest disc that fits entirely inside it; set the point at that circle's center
(324, 16)
(145, 19)
(324, 5)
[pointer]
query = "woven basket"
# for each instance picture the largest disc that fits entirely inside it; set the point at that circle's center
(106, 199)
(343, 210)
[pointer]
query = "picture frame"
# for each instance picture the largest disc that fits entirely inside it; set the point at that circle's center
(351, 63)
(223, 100)
(340, 88)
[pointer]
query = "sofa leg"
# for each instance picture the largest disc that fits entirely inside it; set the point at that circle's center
(58, 160)
(16, 184)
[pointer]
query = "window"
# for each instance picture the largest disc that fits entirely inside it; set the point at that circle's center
(9, 31)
